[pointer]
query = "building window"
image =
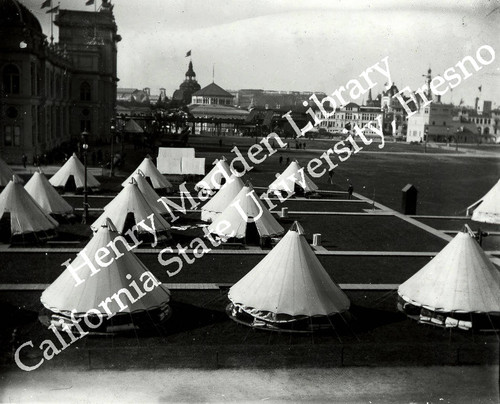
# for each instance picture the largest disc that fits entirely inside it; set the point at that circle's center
(426, 111)
(11, 80)
(12, 136)
(11, 113)
(58, 87)
(39, 83)
(85, 125)
(85, 91)
(33, 78)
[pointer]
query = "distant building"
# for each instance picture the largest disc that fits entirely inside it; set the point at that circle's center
(486, 121)
(269, 99)
(212, 111)
(182, 96)
(49, 93)
(439, 123)
(133, 95)
(347, 117)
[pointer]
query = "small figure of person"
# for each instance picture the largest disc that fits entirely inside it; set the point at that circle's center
(479, 236)
(281, 160)
(330, 176)
(24, 159)
(350, 190)
(304, 145)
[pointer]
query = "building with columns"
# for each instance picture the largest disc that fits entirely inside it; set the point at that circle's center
(212, 112)
(50, 93)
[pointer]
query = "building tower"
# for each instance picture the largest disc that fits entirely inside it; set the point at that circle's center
(182, 96)
(429, 79)
(90, 39)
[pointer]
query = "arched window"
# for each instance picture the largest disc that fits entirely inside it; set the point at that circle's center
(10, 78)
(85, 91)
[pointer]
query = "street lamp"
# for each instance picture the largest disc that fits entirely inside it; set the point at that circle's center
(85, 147)
(113, 134)
(426, 134)
(460, 129)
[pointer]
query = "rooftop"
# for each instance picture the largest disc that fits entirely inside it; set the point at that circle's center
(213, 90)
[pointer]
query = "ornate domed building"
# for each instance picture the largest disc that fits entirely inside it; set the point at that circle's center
(50, 93)
(182, 96)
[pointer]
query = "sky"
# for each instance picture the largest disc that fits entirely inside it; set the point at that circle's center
(291, 45)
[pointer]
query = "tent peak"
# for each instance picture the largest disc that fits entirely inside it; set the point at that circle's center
(297, 227)
(108, 223)
(467, 230)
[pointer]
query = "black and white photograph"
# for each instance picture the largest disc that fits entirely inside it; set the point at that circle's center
(249, 201)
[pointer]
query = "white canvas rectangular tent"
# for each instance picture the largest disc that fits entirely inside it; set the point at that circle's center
(180, 161)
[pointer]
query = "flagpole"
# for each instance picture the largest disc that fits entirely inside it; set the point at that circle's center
(51, 25)
(95, 21)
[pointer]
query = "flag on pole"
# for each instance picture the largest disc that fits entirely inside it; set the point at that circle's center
(89, 2)
(188, 54)
(46, 3)
(52, 10)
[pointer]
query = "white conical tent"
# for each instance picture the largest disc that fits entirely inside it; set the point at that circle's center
(149, 170)
(217, 175)
(460, 278)
(46, 196)
(293, 174)
(73, 167)
(487, 209)
(246, 207)
(131, 200)
(132, 127)
(290, 281)
(6, 174)
(26, 216)
(149, 193)
(65, 295)
(222, 199)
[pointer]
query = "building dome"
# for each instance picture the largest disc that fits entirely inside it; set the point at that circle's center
(14, 15)
(187, 87)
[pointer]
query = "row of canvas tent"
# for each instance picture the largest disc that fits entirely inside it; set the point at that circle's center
(293, 179)
(238, 205)
(27, 213)
(288, 290)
